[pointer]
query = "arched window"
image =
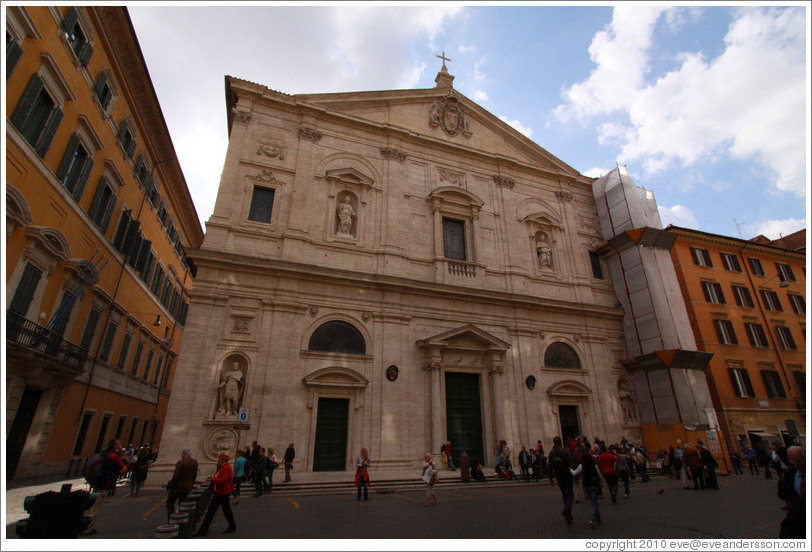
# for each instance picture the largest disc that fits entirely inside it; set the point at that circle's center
(337, 336)
(561, 355)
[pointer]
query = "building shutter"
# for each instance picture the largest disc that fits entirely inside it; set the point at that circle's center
(133, 227)
(85, 54)
(98, 88)
(142, 256)
(13, 54)
(26, 103)
(70, 20)
(48, 133)
(108, 214)
(67, 159)
(80, 184)
(96, 206)
(25, 290)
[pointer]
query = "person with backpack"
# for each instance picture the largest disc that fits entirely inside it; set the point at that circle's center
(102, 476)
(559, 462)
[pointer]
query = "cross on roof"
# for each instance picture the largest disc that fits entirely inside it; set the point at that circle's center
(442, 57)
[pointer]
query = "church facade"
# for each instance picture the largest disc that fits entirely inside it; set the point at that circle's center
(393, 270)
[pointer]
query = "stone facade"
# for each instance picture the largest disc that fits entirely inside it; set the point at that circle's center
(388, 249)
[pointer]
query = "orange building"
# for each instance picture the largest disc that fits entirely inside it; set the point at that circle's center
(97, 217)
(746, 302)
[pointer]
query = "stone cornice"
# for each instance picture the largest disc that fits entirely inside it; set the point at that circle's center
(734, 244)
(219, 261)
(121, 45)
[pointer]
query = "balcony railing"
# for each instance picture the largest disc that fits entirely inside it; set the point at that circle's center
(458, 268)
(38, 338)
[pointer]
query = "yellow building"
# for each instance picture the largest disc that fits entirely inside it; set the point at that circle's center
(746, 302)
(97, 218)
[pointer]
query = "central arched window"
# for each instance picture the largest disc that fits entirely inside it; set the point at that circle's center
(561, 355)
(337, 336)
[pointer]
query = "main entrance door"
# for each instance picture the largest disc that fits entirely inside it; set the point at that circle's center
(330, 451)
(19, 428)
(463, 415)
(568, 415)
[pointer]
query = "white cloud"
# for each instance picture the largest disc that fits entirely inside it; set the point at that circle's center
(595, 172)
(774, 229)
(480, 96)
(466, 48)
(527, 131)
(748, 103)
(678, 215)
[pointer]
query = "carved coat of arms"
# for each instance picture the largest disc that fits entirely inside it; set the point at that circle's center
(449, 115)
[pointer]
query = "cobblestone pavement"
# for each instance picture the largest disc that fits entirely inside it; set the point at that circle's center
(745, 507)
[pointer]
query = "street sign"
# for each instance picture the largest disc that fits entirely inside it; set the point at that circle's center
(243, 415)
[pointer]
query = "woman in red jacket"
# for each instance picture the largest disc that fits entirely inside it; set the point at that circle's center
(223, 485)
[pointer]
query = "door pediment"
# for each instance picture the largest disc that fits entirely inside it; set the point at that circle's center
(335, 377)
(468, 337)
(568, 388)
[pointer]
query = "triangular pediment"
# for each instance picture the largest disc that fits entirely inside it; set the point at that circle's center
(467, 337)
(336, 377)
(348, 176)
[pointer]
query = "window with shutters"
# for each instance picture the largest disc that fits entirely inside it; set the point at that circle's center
(121, 229)
(90, 329)
(770, 300)
(742, 385)
(150, 357)
(798, 303)
(159, 366)
(167, 292)
(454, 239)
(37, 115)
(26, 288)
(133, 426)
(75, 168)
(13, 53)
(743, 296)
(773, 384)
(126, 138)
(756, 334)
(149, 267)
(785, 338)
(701, 257)
(730, 262)
(785, 273)
(725, 332)
(800, 383)
(755, 266)
(79, 444)
(125, 347)
(109, 338)
(104, 201)
(120, 426)
(100, 440)
(139, 351)
(158, 281)
(713, 292)
(261, 204)
(76, 32)
(105, 91)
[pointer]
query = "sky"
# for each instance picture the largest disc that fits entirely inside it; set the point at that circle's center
(706, 106)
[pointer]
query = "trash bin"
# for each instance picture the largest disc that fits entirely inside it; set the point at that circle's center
(183, 521)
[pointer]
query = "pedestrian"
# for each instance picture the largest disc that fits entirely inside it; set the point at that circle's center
(694, 464)
(223, 486)
(239, 474)
(623, 470)
(763, 460)
(271, 465)
(709, 465)
(752, 460)
(429, 476)
(258, 472)
(182, 481)
(792, 489)
(642, 464)
(139, 471)
(560, 463)
(447, 451)
(588, 471)
(476, 472)
(736, 462)
(290, 454)
(111, 468)
(578, 480)
(524, 463)
(606, 465)
(362, 475)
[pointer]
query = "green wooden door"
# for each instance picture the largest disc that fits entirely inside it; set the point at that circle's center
(463, 416)
(331, 435)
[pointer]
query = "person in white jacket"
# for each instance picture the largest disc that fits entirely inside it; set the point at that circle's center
(430, 477)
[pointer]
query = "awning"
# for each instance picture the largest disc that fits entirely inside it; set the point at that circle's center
(764, 434)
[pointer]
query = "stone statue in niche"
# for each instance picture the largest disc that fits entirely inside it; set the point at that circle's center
(545, 253)
(232, 383)
(627, 402)
(346, 215)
